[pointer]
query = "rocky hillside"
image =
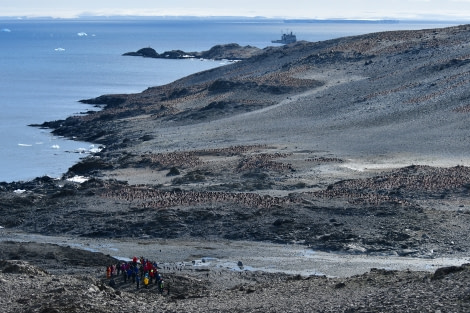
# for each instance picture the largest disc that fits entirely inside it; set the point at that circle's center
(384, 93)
(357, 145)
(292, 145)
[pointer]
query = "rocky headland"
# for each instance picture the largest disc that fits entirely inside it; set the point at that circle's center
(356, 146)
(232, 51)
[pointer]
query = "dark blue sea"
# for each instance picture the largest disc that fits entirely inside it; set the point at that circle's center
(47, 66)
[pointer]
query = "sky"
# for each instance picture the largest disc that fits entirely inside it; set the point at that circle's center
(314, 9)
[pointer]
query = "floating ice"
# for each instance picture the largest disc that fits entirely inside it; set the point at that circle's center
(82, 34)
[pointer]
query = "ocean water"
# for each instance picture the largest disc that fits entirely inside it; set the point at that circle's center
(47, 66)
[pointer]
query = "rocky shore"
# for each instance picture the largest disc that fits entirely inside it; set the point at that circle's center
(232, 51)
(355, 146)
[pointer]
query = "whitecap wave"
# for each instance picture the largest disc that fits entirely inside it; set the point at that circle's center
(24, 145)
(19, 191)
(78, 179)
(82, 34)
(6, 30)
(55, 147)
(59, 49)
(90, 149)
(94, 149)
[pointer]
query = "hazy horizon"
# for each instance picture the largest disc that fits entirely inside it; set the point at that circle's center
(450, 10)
(234, 17)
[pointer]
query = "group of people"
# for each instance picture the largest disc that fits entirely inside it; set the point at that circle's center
(139, 271)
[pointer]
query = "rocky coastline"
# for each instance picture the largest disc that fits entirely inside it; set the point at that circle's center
(355, 146)
(232, 51)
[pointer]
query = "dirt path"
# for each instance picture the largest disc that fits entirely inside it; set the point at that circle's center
(255, 256)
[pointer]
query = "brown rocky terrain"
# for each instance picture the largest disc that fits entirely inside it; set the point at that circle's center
(355, 146)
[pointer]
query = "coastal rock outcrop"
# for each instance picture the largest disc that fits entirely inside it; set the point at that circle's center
(230, 51)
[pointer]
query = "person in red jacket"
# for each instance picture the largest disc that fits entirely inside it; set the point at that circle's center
(108, 272)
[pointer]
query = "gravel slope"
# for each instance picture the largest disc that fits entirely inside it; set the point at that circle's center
(356, 146)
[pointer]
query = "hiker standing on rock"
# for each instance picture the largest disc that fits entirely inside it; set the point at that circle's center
(136, 271)
(146, 281)
(158, 279)
(130, 274)
(151, 275)
(124, 271)
(137, 281)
